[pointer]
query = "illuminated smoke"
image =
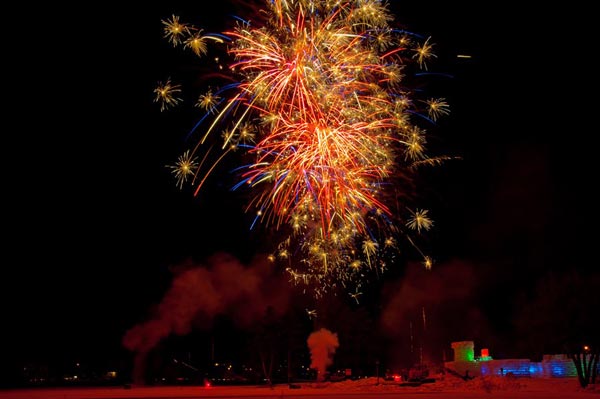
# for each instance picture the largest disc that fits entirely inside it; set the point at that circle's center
(322, 345)
(199, 293)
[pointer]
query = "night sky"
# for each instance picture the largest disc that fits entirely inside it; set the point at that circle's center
(96, 230)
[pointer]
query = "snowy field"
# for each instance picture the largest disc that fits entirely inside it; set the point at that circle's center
(447, 388)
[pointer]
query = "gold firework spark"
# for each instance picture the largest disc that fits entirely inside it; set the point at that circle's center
(427, 262)
(424, 52)
(208, 101)
(437, 108)
(185, 167)
(419, 220)
(197, 43)
(174, 30)
(166, 93)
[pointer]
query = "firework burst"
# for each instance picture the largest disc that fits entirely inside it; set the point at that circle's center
(167, 94)
(323, 111)
(184, 168)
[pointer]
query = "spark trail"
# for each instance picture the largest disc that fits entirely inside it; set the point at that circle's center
(323, 112)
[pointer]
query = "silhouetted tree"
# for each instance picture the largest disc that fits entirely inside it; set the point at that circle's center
(296, 327)
(267, 340)
(586, 364)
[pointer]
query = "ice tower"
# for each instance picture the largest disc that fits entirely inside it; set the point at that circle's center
(464, 351)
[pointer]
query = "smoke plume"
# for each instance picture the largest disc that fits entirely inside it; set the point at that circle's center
(322, 345)
(199, 293)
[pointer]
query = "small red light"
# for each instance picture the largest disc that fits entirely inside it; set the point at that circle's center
(397, 378)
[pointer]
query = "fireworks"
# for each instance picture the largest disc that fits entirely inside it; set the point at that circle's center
(323, 112)
(185, 167)
(167, 94)
(174, 30)
(420, 220)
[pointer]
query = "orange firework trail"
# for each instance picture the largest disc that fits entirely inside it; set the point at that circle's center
(323, 110)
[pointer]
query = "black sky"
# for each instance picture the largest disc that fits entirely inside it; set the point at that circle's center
(94, 222)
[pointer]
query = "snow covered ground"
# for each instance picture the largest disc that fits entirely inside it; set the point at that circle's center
(446, 387)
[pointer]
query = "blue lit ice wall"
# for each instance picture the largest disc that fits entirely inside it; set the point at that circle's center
(551, 366)
(555, 368)
(518, 367)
